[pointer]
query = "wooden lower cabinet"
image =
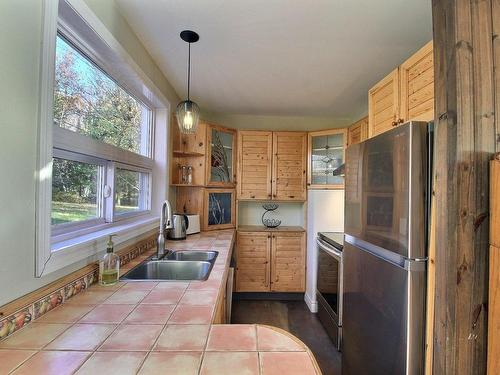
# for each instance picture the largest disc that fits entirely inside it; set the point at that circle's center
(288, 262)
(253, 252)
(270, 261)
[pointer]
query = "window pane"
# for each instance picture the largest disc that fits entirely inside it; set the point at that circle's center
(88, 102)
(130, 191)
(74, 191)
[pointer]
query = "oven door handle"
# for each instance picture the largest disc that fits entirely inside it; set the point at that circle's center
(329, 249)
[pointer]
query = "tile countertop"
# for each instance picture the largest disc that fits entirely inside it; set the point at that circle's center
(154, 328)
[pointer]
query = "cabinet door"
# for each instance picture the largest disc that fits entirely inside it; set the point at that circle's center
(220, 209)
(383, 104)
(221, 156)
(326, 154)
(289, 166)
(288, 253)
(417, 86)
(253, 251)
(357, 132)
(254, 164)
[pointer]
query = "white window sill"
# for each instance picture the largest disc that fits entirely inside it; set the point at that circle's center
(91, 246)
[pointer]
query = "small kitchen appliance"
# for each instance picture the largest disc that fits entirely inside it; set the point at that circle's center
(180, 224)
(193, 224)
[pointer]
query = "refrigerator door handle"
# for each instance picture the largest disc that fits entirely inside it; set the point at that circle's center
(398, 260)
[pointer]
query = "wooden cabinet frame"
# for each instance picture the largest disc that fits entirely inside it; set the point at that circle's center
(310, 185)
(208, 161)
(188, 149)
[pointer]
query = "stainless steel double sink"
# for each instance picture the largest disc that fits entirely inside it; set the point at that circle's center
(177, 265)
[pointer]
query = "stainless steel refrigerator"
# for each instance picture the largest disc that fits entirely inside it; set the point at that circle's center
(387, 185)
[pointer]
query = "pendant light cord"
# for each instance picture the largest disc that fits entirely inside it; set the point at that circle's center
(189, 67)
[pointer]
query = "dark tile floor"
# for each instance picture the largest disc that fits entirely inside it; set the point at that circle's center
(294, 317)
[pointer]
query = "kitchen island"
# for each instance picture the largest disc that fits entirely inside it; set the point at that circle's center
(151, 327)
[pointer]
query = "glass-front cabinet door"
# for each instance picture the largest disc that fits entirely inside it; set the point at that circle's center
(326, 159)
(221, 165)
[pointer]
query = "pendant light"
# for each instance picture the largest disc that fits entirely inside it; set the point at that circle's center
(188, 112)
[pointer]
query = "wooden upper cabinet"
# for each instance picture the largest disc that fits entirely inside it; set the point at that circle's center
(326, 149)
(406, 94)
(272, 165)
(383, 104)
(221, 156)
(254, 164)
(289, 166)
(288, 262)
(417, 85)
(357, 132)
(253, 251)
(188, 144)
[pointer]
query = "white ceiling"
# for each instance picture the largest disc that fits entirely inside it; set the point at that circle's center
(280, 57)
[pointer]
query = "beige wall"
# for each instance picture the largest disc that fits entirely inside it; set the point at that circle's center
(20, 40)
(276, 123)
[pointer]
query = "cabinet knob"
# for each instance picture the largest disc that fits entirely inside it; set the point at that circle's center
(274, 195)
(252, 196)
(291, 196)
(394, 123)
(200, 144)
(401, 121)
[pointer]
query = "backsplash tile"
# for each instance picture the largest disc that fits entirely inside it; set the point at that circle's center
(16, 321)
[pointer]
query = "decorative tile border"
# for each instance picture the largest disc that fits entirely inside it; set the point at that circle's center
(27, 314)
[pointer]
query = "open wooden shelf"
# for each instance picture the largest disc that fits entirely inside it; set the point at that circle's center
(187, 153)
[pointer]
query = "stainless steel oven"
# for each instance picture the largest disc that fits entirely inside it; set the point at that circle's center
(329, 284)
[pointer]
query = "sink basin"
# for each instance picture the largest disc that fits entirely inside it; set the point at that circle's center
(159, 270)
(186, 255)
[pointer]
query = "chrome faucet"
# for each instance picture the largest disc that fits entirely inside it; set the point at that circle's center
(165, 223)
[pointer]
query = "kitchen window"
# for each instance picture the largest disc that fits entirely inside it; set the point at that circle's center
(102, 139)
(93, 114)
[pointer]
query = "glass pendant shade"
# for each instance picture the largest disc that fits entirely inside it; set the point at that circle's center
(188, 115)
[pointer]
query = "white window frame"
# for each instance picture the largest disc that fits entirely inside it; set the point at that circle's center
(101, 203)
(59, 248)
(112, 216)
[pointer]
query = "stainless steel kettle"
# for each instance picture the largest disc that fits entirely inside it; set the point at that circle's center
(180, 224)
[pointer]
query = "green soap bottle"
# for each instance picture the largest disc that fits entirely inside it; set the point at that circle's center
(110, 265)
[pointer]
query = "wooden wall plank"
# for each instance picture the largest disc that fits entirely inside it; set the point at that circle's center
(494, 274)
(495, 16)
(465, 105)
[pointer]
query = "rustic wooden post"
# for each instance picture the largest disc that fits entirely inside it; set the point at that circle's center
(467, 94)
